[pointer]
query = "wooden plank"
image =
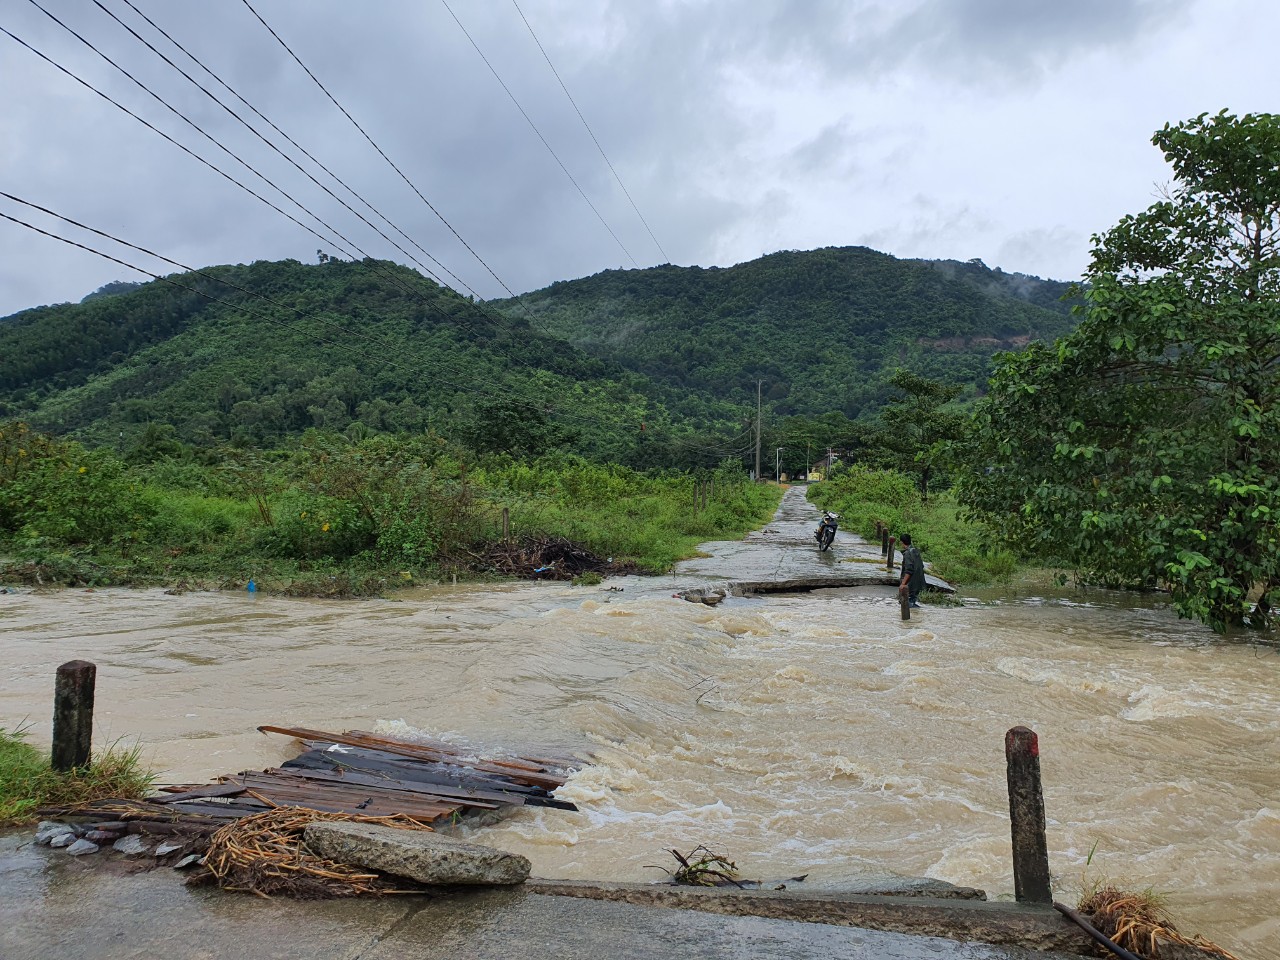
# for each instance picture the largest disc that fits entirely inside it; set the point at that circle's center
(362, 801)
(519, 763)
(410, 776)
(381, 784)
(212, 790)
(427, 771)
(374, 763)
(356, 793)
(403, 748)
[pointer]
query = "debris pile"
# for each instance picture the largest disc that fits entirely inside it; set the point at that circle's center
(354, 773)
(550, 558)
(265, 854)
(1139, 923)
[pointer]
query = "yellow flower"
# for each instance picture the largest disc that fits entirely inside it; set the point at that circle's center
(84, 469)
(325, 528)
(302, 515)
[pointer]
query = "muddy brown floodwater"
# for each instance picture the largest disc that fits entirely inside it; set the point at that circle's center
(809, 733)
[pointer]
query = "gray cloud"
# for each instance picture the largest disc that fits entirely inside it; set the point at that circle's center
(737, 128)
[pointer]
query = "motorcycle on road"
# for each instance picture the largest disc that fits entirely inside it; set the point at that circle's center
(826, 531)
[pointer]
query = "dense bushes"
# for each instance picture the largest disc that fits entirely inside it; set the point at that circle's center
(366, 509)
(958, 551)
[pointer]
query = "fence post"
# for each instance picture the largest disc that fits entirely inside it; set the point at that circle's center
(73, 715)
(888, 564)
(1026, 817)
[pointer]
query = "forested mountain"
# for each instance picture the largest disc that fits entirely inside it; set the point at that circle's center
(255, 353)
(642, 366)
(822, 328)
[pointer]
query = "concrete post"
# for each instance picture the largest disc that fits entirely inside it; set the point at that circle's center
(888, 552)
(73, 715)
(1026, 817)
(904, 600)
(884, 540)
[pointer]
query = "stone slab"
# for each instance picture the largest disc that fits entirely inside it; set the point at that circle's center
(1038, 928)
(516, 924)
(417, 854)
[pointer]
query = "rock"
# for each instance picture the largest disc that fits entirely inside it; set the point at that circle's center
(130, 846)
(417, 854)
(47, 831)
(82, 848)
(167, 848)
(190, 860)
(101, 836)
(63, 840)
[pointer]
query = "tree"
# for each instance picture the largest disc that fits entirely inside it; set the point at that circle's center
(916, 428)
(1145, 446)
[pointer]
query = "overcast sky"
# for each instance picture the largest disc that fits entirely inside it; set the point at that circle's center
(1008, 130)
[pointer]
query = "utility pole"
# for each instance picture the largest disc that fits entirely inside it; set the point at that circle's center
(759, 385)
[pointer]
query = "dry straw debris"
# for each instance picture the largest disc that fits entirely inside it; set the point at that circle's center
(1139, 923)
(265, 854)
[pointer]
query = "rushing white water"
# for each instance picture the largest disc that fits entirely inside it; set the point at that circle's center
(812, 733)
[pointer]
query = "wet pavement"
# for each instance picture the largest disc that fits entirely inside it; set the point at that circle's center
(55, 907)
(784, 553)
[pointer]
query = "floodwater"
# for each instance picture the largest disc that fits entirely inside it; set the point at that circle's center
(798, 734)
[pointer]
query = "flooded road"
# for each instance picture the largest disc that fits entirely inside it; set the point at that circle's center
(807, 733)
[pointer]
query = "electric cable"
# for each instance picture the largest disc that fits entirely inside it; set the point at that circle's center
(534, 126)
(303, 150)
(191, 123)
(327, 241)
(589, 130)
(388, 358)
(248, 126)
(115, 103)
(380, 151)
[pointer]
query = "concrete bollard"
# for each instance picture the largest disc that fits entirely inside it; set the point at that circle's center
(73, 715)
(884, 539)
(888, 552)
(904, 599)
(1026, 817)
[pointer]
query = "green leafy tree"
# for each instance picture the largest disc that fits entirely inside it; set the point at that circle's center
(1145, 447)
(916, 427)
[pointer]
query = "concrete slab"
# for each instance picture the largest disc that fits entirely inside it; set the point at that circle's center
(505, 925)
(56, 907)
(783, 557)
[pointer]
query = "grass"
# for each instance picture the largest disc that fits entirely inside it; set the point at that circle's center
(28, 783)
(958, 551)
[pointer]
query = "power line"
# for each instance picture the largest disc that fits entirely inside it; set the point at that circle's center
(533, 125)
(191, 123)
(389, 359)
(285, 156)
(346, 249)
(380, 151)
(589, 130)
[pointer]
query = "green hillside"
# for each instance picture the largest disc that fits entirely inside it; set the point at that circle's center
(823, 328)
(340, 346)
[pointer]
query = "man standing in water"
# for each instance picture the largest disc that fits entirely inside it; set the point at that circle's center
(912, 571)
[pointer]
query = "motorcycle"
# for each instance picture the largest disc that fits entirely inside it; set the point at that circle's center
(826, 531)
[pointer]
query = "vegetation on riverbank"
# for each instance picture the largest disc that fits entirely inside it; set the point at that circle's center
(960, 552)
(332, 516)
(27, 782)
